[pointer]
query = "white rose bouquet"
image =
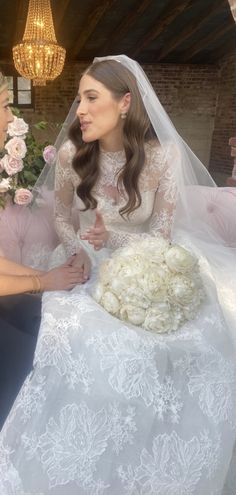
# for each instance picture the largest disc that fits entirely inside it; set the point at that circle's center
(21, 163)
(151, 283)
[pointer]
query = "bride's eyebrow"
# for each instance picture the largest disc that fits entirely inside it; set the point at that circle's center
(89, 91)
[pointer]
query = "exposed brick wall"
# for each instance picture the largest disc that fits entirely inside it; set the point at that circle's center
(225, 120)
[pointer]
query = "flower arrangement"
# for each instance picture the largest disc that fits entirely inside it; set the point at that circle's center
(21, 163)
(151, 283)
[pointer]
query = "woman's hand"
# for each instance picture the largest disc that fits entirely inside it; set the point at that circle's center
(64, 277)
(82, 262)
(97, 235)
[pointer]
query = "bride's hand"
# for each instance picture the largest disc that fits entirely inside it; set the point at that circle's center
(97, 235)
(82, 260)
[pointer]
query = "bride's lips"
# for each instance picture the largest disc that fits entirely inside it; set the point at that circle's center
(84, 125)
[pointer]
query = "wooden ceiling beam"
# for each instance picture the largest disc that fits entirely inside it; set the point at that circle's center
(172, 10)
(90, 24)
(191, 28)
(207, 40)
(125, 25)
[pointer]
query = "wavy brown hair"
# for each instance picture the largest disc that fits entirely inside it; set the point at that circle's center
(137, 129)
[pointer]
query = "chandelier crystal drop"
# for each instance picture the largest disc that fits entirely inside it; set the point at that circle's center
(38, 56)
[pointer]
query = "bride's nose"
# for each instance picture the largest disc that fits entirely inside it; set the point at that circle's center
(82, 108)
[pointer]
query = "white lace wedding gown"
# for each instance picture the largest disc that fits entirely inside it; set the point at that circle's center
(110, 408)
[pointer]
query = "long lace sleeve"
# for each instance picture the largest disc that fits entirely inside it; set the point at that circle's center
(164, 205)
(64, 195)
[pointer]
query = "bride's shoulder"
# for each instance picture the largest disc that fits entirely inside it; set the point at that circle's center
(157, 154)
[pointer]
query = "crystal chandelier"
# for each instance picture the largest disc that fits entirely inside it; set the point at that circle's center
(38, 56)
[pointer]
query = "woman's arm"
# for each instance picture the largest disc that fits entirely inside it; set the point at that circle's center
(8, 267)
(64, 277)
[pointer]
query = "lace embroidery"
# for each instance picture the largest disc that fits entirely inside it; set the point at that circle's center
(174, 467)
(54, 349)
(80, 436)
(131, 362)
(212, 378)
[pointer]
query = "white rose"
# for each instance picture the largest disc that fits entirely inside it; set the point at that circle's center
(159, 318)
(154, 283)
(110, 302)
(135, 296)
(133, 314)
(181, 289)
(98, 292)
(5, 185)
(11, 165)
(16, 148)
(157, 248)
(129, 250)
(118, 285)
(18, 128)
(104, 272)
(179, 259)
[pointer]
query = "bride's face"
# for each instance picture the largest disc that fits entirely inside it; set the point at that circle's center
(5, 116)
(99, 113)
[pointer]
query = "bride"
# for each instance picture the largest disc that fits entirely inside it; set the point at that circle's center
(111, 408)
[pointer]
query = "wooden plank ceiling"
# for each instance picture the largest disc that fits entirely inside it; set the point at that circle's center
(151, 31)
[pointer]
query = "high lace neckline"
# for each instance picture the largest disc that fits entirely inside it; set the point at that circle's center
(118, 155)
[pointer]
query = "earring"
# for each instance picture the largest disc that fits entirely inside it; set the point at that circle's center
(123, 115)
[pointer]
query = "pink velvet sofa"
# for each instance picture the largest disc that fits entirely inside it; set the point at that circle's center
(28, 237)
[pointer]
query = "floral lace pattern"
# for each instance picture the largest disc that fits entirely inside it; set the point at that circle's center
(163, 472)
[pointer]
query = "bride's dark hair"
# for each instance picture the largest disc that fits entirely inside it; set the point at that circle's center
(137, 129)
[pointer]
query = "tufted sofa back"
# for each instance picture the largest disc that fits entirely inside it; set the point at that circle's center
(28, 236)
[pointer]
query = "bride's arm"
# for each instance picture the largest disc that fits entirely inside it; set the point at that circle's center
(64, 195)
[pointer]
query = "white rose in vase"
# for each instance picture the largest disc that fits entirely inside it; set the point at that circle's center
(16, 148)
(11, 165)
(5, 185)
(18, 128)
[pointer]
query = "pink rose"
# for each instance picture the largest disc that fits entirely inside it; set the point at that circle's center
(49, 154)
(16, 148)
(11, 165)
(18, 128)
(23, 196)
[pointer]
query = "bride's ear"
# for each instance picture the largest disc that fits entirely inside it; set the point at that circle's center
(125, 103)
